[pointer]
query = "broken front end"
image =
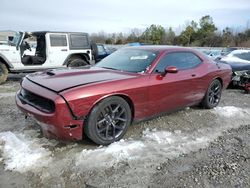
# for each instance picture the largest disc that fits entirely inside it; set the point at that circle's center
(242, 79)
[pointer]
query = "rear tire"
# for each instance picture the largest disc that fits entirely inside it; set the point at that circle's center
(3, 73)
(77, 63)
(213, 95)
(108, 121)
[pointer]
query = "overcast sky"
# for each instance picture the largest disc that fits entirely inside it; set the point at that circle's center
(118, 15)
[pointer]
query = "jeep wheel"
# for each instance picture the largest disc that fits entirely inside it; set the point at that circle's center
(3, 73)
(77, 63)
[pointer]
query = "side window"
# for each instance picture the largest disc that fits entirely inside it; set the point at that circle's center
(58, 40)
(79, 41)
(181, 60)
(101, 50)
(244, 56)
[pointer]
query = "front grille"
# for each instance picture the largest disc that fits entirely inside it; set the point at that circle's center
(36, 101)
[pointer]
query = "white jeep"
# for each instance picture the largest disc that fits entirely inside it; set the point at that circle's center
(29, 52)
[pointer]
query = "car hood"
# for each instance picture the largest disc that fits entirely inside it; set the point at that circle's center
(238, 66)
(4, 47)
(62, 79)
(232, 59)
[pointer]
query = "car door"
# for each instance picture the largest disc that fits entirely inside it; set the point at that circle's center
(58, 49)
(174, 90)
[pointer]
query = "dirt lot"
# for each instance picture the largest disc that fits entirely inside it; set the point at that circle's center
(192, 147)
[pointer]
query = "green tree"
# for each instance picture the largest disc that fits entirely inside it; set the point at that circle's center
(227, 37)
(134, 36)
(154, 34)
(108, 41)
(169, 36)
(119, 39)
(206, 32)
(188, 35)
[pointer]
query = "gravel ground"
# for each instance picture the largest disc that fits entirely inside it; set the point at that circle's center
(190, 148)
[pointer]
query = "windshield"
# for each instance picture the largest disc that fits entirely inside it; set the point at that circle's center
(16, 38)
(129, 60)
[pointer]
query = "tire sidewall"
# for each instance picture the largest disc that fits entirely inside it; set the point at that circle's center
(4, 73)
(206, 102)
(90, 128)
(77, 62)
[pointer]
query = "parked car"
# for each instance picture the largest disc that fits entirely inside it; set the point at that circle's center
(240, 56)
(228, 50)
(137, 44)
(245, 81)
(103, 51)
(52, 50)
(239, 60)
(131, 84)
(100, 51)
(213, 54)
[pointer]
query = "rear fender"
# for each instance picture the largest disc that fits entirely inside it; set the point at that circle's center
(83, 56)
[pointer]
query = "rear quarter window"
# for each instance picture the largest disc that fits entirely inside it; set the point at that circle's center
(79, 41)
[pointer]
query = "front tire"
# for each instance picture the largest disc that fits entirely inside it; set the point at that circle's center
(108, 121)
(213, 95)
(3, 73)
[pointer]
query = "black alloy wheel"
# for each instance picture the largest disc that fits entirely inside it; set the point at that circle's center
(108, 121)
(213, 95)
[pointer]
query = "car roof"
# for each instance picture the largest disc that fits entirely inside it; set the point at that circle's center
(44, 32)
(240, 51)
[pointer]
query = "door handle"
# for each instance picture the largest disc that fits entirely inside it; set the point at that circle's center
(193, 75)
(64, 50)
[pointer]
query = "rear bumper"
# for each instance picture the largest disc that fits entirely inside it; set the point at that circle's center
(59, 124)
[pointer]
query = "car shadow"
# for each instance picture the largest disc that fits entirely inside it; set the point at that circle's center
(16, 77)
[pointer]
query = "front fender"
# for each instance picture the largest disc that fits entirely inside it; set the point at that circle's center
(3, 59)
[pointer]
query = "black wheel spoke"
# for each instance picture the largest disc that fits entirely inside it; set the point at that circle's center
(121, 119)
(116, 109)
(114, 132)
(110, 109)
(103, 113)
(101, 121)
(122, 111)
(210, 99)
(107, 131)
(119, 127)
(102, 129)
(217, 92)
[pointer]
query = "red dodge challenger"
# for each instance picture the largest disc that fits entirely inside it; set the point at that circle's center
(131, 84)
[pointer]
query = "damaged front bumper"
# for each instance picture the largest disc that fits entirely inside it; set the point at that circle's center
(242, 79)
(57, 123)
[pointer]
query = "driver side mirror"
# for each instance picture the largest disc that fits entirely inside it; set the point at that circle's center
(170, 69)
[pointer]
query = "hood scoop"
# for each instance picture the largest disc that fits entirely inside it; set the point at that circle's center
(50, 73)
